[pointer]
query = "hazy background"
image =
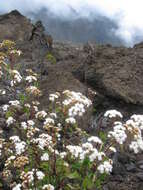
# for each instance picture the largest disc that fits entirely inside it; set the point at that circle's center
(104, 21)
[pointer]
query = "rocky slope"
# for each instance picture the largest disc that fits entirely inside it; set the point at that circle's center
(114, 73)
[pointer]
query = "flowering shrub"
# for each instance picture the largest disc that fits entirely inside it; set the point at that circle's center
(43, 148)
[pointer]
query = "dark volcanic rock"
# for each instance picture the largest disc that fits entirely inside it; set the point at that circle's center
(116, 72)
(29, 38)
(15, 26)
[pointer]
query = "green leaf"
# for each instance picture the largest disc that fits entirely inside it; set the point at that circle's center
(71, 187)
(99, 181)
(87, 183)
(22, 98)
(76, 166)
(86, 163)
(9, 114)
(103, 136)
(73, 175)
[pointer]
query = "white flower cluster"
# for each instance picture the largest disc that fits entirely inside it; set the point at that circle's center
(17, 78)
(113, 114)
(48, 121)
(118, 133)
(14, 103)
(10, 121)
(28, 177)
(53, 97)
(9, 160)
(112, 149)
(105, 167)
(43, 141)
(77, 102)
(72, 96)
(41, 115)
(77, 110)
(70, 120)
(48, 187)
(136, 120)
(75, 151)
(95, 140)
(136, 146)
(28, 124)
(87, 150)
(31, 79)
(131, 130)
(5, 107)
(135, 126)
(20, 146)
(33, 90)
(40, 175)
(45, 157)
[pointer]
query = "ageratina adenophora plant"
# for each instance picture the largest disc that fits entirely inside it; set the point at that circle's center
(44, 149)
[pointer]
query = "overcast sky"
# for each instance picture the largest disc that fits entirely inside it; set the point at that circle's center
(128, 14)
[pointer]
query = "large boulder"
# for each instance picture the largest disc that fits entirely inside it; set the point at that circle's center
(116, 72)
(14, 26)
(30, 38)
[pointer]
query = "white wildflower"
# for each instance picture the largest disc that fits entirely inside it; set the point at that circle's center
(15, 139)
(14, 103)
(30, 79)
(106, 167)
(45, 157)
(10, 121)
(49, 120)
(53, 97)
(95, 140)
(48, 187)
(5, 108)
(31, 123)
(40, 175)
(20, 147)
(41, 114)
(113, 114)
(70, 120)
(118, 133)
(24, 125)
(113, 149)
